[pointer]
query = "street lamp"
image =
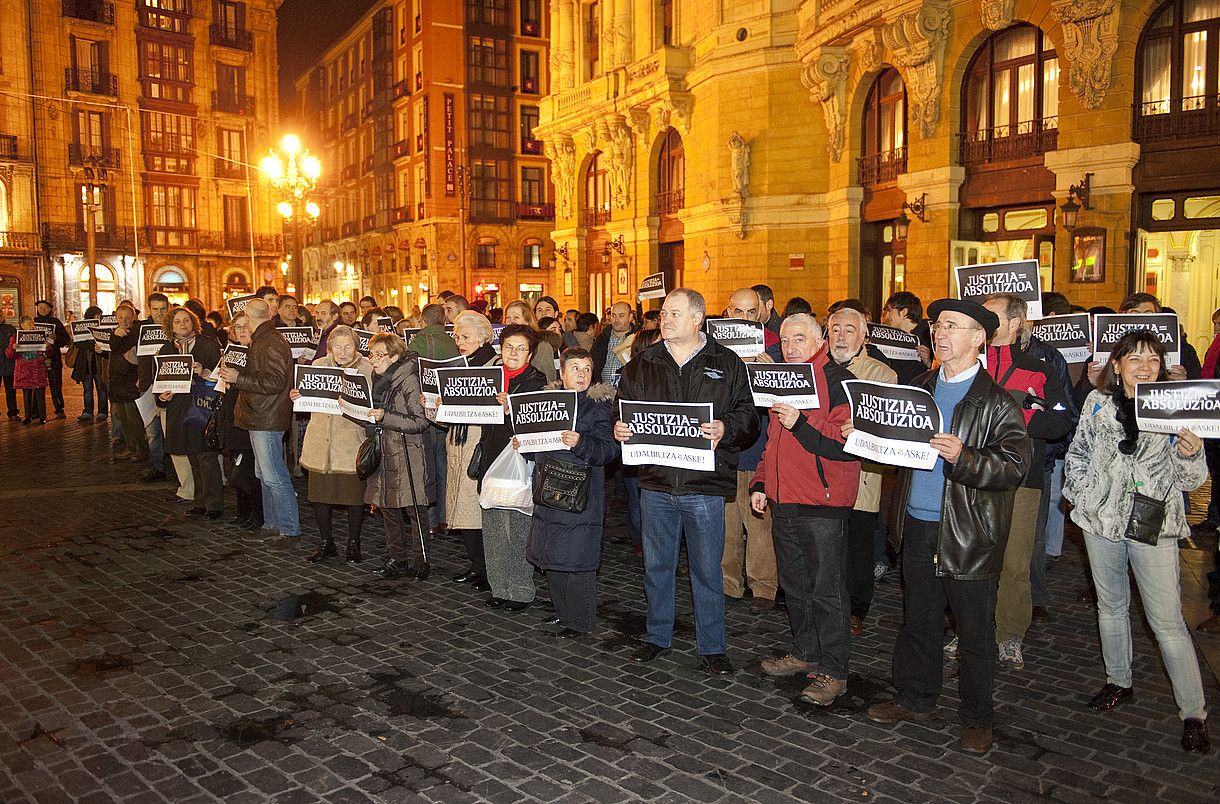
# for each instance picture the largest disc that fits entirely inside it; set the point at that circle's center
(93, 186)
(293, 173)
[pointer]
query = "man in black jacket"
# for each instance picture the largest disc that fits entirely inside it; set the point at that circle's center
(954, 527)
(55, 365)
(7, 366)
(614, 342)
(687, 366)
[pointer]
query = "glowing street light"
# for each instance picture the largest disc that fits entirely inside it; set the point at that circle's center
(294, 173)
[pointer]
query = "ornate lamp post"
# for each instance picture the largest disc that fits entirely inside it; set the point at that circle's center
(294, 172)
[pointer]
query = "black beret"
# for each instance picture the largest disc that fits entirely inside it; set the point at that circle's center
(988, 320)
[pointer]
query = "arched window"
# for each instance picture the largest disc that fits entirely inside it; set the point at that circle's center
(106, 294)
(1012, 98)
(671, 174)
(1175, 67)
(884, 149)
(597, 192)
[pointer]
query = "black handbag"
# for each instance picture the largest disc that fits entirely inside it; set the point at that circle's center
(1147, 518)
(211, 434)
(368, 457)
(562, 486)
(474, 469)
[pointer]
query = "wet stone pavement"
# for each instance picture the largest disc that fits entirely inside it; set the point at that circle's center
(146, 657)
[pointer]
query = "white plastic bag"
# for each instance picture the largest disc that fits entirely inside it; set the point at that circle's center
(509, 483)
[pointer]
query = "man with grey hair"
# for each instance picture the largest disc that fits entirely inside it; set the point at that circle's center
(687, 366)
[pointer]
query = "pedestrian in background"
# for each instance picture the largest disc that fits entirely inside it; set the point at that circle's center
(30, 373)
(7, 333)
(89, 371)
(55, 362)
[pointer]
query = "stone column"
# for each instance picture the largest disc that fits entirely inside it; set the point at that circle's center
(566, 52)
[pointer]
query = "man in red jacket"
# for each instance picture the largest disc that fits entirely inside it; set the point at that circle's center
(810, 483)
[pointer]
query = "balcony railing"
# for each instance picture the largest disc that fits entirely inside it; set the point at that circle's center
(597, 216)
(535, 212)
(237, 241)
(92, 81)
(238, 38)
(400, 149)
(419, 211)
(400, 215)
(228, 169)
(349, 122)
(531, 146)
(671, 202)
(1031, 138)
(93, 10)
(272, 243)
(370, 223)
(351, 228)
(1158, 121)
(401, 89)
(348, 173)
(233, 103)
(8, 146)
(884, 166)
(171, 237)
(20, 241)
(367, 164)
(79, 154)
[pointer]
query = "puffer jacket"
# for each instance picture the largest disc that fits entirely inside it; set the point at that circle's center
(263, 404)
(1099, 480)
(713, 374)
(976, 511)
(332, 440)
(29, 368)
(866, 367)
(397, 392)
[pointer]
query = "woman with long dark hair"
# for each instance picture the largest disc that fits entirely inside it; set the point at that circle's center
(89, 370)
(1109, 465)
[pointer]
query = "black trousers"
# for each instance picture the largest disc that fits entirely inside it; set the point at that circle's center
(10, 395)
(574, 595)
(209, 482)
(472, 540)
(810, 558)
(55, 381)
(918, 655)
(402, 528)
(324, 513)
(246, 486)
(35, 402)
(861, 530)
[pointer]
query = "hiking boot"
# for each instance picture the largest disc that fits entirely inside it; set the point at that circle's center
(824, 690)
(1010, 654)
(787, 665)
(951, 651)
(894, 712)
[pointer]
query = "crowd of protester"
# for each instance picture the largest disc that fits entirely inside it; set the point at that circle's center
(787, 517)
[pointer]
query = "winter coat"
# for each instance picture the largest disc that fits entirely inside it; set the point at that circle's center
(462, 509)
(1022, 376)
(495, 437)
(1099, 480)
(601, 350)
(7, 333)
(433, 343)
(544, 359)
(180, 438)
(397, 392)
(62, 338)
(572, 542)
(30, 368)
(123, 374)
(87, 363)
(265, 382)
(865, 367)
(331, 439)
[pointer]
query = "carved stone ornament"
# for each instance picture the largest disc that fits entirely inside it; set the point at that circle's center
(917, 40)
(1090, 38)
(562, 153)
(739, 160)
(866, 50)
(826, 79)
(674, 110)
(997, 14)
(735, 211)
(620, 148)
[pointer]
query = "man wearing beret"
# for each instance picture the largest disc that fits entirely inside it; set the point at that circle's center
(954, 526)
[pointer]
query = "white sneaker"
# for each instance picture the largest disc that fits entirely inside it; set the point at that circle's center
(1010, 654)
(951, 649)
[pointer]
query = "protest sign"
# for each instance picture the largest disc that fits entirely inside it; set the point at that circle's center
(82, 329)
(744, 338)
(147, 406)
(893, 342)
(362, 340)
(1019, 277)
(48, 330)
(668, 434)
(172, 374)
(427, 378)
(496, 329)
(1109, 328)
(238, 303)
(319, 387)
(111, 320)
(1166, 407)
(356, 396)
(301, 340)
(1067, 333)
(31, 340)
(101, 338)
(152, 337)
(384, 323)
(234, 357)
(539, 418)
(408, 333)
(893, 424)
(790, 383)
(468, 395)
(652, 287)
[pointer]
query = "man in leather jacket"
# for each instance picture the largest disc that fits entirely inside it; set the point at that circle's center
(954, 527)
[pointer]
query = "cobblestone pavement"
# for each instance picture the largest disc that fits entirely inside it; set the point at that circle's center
(149, 658)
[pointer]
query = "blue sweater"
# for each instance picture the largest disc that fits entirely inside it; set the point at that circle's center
(928, 486)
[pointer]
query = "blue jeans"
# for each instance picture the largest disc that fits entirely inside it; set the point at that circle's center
(1054, 514)
(631, 485)
(156, 444)
(87, 392)
(666, 518)
(279, 497)
(1156, 571)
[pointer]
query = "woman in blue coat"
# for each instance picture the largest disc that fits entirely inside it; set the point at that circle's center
(568, 546)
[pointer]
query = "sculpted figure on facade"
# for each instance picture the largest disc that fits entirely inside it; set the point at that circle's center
(739, 159)
(997, 14)
(826, 79)
(562, 153)
(620, 147)
(917, 40)
(1090, 38)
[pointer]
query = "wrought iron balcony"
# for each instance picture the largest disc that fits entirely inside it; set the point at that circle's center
(228, 169)
(535, 212)
(93, 81)
(92, 10)
(351, 228)
(400, 215)
(20, 241)
(597, 216)
(370, 223)
(401, 89)
(884, 166)
(8, 146)
(1026, 140)
(225, 36)
(79, 154)
(400, 149)
(233, 103)
(1164, 120)
(670, 202)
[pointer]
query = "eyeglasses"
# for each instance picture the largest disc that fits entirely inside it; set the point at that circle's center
(950, 327)
(378, 355)
(516, 350)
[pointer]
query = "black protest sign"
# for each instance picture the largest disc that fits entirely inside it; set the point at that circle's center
(362, 340)
(48, 330)
(1108, 330)
(1019, 277)
(652, 287)
(384, 324)
(468, 395)
(790, 383)
(82, 329)
(111, 320)
(319, 388)
(172, 374)
(101, 337)
(301, 340)
(744, 337)
(31, 340)
(152, 338)
(356, 396)
(894, 343)
(1167, 407)
(539, 419)
(427, 377)
(1067, 333)
(237, 304)
(893, 424)
(668, 434)
(408, 334)
(234, 357)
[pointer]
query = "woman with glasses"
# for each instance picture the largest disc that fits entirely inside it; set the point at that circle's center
(1109, 461)
(506, 531)
(518, 312)
(329, 453)
(397, 487)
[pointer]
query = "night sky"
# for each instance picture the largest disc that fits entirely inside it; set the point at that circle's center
(306, 29)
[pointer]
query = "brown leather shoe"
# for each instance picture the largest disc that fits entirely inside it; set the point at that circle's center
(857, 626)
(894, 712)
(1209, 626)
(787, 665)
(975, 739)
(761, 605)
(1040, 614)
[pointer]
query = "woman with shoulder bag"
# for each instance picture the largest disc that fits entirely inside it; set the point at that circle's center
(1126, 487)
(397, 486)
(329, 453)
(567, 544)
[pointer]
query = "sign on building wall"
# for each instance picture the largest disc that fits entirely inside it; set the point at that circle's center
(427, 152)
(450, 146)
